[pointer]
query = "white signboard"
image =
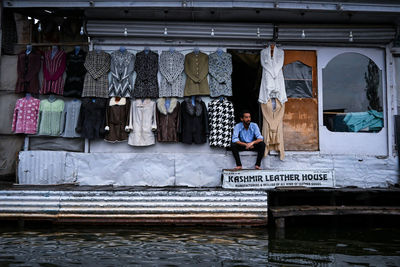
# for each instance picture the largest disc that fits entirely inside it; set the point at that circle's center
(267, 179)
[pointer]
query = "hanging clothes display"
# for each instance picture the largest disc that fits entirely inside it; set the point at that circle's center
(75, 73)
(54, 64)
(91, 121)
(172, 78)
(194, 121)
(168, 118)
(220, 69)
(28, 68)
(221, 118)
(25, 116)
(117, 119)
(142, 122)
(146, 67)
(122, 63)
(272, 81)
(272, 129)
(196, 69)
(97, 64)
(51, 119)
(71, 115)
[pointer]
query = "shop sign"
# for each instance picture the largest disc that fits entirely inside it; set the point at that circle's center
(267, 179)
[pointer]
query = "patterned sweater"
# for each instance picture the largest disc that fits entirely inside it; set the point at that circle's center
(26, 114)
(220, 69)
(172, 78)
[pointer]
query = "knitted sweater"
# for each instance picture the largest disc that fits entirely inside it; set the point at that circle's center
(172, 78)
(51, 119)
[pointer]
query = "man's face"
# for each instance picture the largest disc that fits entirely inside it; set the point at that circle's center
(246, 119)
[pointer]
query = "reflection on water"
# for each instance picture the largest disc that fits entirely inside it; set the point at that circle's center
(177, 246)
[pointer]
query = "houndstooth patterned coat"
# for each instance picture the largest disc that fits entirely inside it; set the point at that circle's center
(221, 121)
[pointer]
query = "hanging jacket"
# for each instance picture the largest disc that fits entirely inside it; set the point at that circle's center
(146, 67)
(122, 64)
(172, 78)
(97, 64)
(196, 69)
(168, 120)
(75, 74)
(272, 129)
(220, 69)
(28, 68)
(91, 121)
(272, 81)
(53, 70)
(117, 119)
(194, 121)
(221, 118)
(142, 122)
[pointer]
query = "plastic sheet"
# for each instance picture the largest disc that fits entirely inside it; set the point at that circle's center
(298, 80)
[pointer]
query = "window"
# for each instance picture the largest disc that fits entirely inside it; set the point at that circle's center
(352, 94)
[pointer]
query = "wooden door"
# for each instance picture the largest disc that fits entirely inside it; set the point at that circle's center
(300, 123)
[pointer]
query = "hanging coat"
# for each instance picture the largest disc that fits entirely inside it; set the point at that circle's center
(97, 64)
(272, 129)
(53, 70)
(122, 64)
(28, 68)
(117, 119)
(272, 81)
(142, 122)
(91, 121)
(196, 69)
(194, 121)
(172, 78)
(75, 74)
(168, 120)
(146, 67)
(221, 117)
(220, 69)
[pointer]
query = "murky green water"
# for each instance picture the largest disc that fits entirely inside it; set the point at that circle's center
(183, 246)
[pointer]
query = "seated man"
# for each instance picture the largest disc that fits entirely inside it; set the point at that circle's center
(246, 136)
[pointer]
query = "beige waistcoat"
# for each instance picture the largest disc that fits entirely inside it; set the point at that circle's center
(272, 129)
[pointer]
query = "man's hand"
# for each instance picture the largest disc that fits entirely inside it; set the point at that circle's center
(249, 146)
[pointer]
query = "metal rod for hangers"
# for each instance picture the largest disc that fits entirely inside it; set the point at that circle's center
(51, 44)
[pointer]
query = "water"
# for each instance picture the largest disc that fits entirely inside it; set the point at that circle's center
(197, 246)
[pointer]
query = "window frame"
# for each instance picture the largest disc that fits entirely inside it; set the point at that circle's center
(352, 142)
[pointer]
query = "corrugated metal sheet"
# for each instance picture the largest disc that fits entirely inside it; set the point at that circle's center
(336, 33)
(139, 206)
(366, 6)
(41, 167)
(194, 30)
(239, 32)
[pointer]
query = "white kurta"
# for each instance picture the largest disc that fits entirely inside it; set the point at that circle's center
(272, 81)
(142, 123)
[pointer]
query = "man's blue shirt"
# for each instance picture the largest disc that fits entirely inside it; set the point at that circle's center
(241, 134)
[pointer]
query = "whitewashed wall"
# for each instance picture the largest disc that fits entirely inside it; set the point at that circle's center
(362, 160)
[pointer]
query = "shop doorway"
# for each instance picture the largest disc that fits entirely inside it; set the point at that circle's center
(246, 79)
(300, 124)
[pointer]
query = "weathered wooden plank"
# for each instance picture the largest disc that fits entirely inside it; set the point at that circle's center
(289, 211)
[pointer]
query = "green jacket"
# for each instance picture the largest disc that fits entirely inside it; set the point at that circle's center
(196, 69)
